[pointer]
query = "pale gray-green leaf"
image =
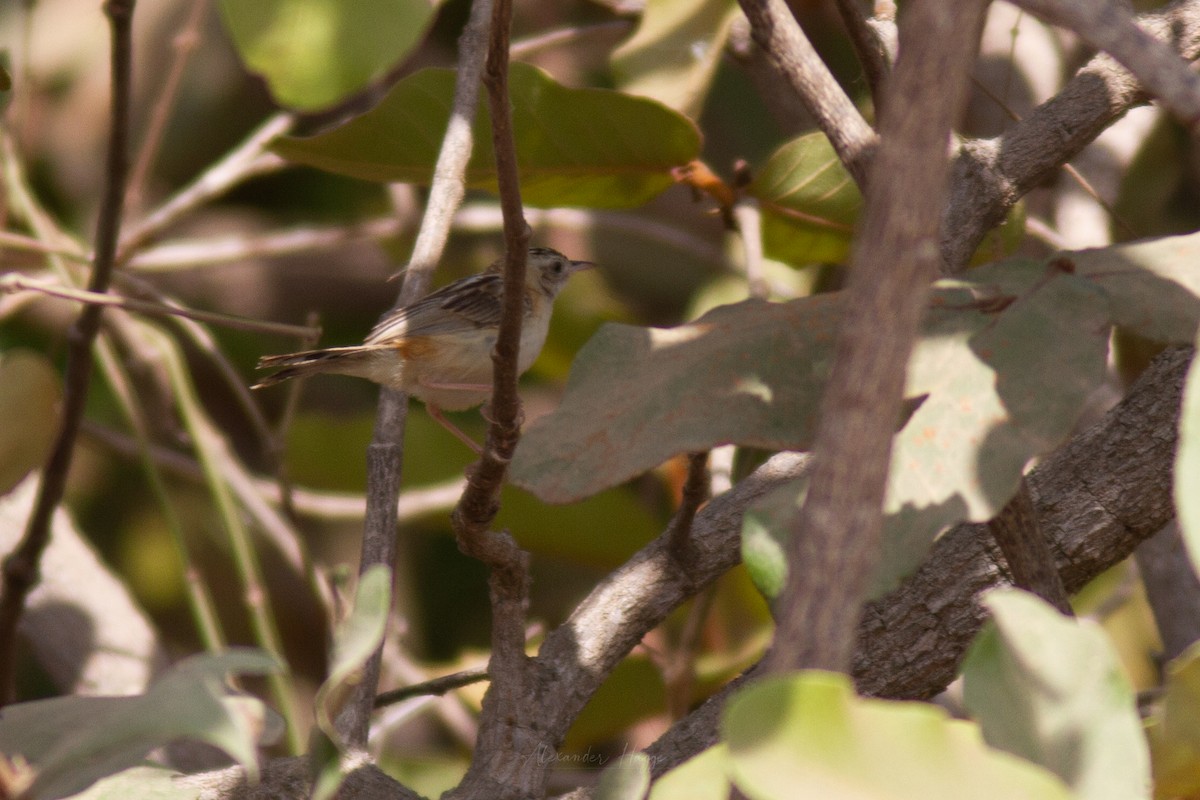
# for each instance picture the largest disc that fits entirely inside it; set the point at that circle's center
(1050, 689)
(74, 741)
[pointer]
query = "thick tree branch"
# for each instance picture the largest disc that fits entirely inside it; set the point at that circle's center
(1110, 26)
(21, 566)
(835, 539)
(990, 176)
(1020, 538)
(776, 32)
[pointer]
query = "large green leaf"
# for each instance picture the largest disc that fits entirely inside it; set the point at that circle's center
(141, 783)
(1002, 370)
(1153, 285)
(575, 147)
(808, 736)
(1173, 729)
(74, 741)
(809, 202)
(675, 51)
(313, 53)
(749, 374)
(1050, 689)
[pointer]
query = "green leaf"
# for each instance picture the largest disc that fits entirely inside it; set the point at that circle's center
(74, 741)
(1050, 689)
(354, 640)
(765, 527)
(809, 202)
(1153, 285)
(808, 736)
(314, 53)
(1173, 729)
(1187, 466)
(1003, 368)
(627, 778)
(702, 777)
(1000, 388)
(140, 783)
(30, 391)
(749, 374)
(675, 51)
(580, 147)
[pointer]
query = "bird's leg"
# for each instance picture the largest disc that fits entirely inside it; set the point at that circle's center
(436, 413)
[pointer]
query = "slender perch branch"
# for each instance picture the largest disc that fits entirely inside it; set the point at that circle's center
(21, 566)
(385, 452)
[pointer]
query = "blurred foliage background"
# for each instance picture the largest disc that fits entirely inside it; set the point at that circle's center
(659, 264)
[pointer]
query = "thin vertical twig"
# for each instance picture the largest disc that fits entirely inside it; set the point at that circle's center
(185, 43)
(385, 451)
(21, 566)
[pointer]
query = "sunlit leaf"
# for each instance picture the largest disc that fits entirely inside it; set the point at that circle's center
(808, 736)
(584, 147)
(702, 777)
(674, 53)
(1003, 382)
(354, 640)
(1153, 285)
(140, 783)
(1049, 689)
(313, 53)
(74, 741)
(627, 778)
(749, 374)
(809, 202)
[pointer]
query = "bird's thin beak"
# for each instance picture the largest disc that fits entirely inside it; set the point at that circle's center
(580, 266)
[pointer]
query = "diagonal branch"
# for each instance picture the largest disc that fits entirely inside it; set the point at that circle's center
(21, 566)
(990, 176)
(1110, 26)
(780, 38)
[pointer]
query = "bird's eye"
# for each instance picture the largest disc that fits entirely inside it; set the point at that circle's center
(557, 267)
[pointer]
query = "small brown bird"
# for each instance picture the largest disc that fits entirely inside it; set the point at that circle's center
(439, 349)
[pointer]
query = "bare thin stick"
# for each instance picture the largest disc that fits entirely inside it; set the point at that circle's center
(1018, 533)
(16, 282)
(249, 159)
(185, 43)
(871, 52)
(21, 566)
(695, 492)
(434, 686)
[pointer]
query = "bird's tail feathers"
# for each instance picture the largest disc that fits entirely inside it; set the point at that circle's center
(344, 360)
